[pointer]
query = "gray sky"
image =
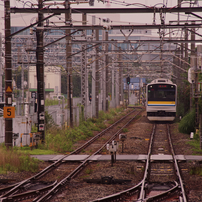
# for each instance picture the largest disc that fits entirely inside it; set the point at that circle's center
(22, 19)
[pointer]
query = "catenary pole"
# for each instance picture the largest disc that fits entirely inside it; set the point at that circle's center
(107, 72)
(40, 75)
(69, 62)
(84, 76)
(97, 77)
(8, 75)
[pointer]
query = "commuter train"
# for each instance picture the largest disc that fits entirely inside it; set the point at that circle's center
(161, 100)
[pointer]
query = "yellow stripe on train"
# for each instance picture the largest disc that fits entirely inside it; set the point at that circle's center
(161, 102)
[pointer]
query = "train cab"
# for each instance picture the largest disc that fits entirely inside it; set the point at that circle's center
(161, 100)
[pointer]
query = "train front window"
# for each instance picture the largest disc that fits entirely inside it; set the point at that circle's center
(161, 93)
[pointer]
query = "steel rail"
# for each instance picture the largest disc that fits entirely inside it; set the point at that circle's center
(11, 189)
(63, 182)
(29, 194)
(100, 134)
(139, 187)
(178, 185)
(177, 168)
(142, 192)
(163, 194)
(120, 195)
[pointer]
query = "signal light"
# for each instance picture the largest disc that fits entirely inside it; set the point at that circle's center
(128, 80)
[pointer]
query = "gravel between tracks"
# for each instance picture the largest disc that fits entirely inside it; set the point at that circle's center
(136, 143)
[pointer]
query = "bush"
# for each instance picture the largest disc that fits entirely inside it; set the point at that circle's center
(187, 124)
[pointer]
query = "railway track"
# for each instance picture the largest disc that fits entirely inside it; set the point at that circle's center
(162, 180)
(13, 193)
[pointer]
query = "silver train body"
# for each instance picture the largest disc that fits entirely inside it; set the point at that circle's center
(161, 100)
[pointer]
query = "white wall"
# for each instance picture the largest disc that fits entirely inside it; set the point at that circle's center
(52, 78)
(21, 124)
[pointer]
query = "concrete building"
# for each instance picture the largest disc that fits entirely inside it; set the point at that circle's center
(52, 80)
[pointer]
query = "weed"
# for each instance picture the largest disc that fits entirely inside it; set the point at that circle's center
(16, 160)
(60, 140)
(196, 171)
(125, 130)
(88, 171)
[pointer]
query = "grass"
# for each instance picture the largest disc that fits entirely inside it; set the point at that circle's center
(61, 141)
(50, 102)
(125, 130)
(89, 171)
(28, 150)
(196, 171)
(57, 140)
(16, 161)
(195, 143)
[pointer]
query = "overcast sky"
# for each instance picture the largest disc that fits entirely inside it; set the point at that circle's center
(21, 19)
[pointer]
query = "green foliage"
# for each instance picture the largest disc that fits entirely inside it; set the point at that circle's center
(16, 93)
(125, 130)
(81, 118)
(41, 150)
(196, 170)
(49, 121)
(88, 171)
(34, 129)
(16, 161)
(183, 103)
(187, 124)
(28, 164)
(195, 143)
(50, 102)
(60, 140)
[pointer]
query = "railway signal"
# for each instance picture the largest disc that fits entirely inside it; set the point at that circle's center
(128, 80)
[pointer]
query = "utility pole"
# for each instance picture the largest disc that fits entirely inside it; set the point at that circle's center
(112, 77)
(69, 62)
(1, 73)
(97, 77)
(93, 72)
(8, 76)
(120, 79)
(107, 71)
(40, 74)
(195, 85)
(84, 76)
(103, 74)
(117, 80)
(22, 87)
